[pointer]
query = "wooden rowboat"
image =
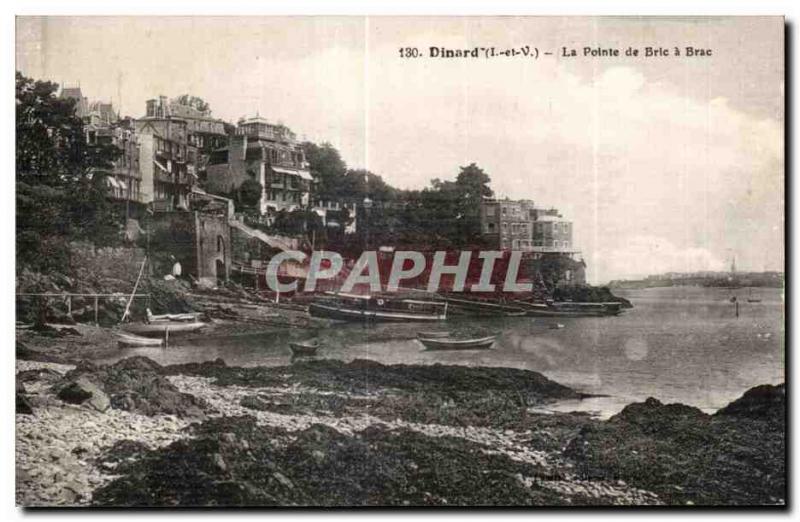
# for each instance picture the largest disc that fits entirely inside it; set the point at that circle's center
(184, 318)
(406, 310)
(305, 348)
(161, 328)
(133, 341)
(482, 343)
(570, 309)
(432, 335)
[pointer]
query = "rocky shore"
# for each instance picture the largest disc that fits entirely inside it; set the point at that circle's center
(329, 433)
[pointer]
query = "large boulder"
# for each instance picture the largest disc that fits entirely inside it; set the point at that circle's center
(762, 402)
(39, 374)
(135, 385)
(23, 406)
(82, 390)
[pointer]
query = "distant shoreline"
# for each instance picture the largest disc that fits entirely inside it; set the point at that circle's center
(765, 280)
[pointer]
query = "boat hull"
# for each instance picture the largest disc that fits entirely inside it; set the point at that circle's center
(160, 328)
(573, 310)
(351, 314)
(134, 341)
(299, 349)
(432, 335)
(483, 343)
(467, 307)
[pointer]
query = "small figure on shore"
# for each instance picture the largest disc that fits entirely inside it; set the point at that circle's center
(176, 267)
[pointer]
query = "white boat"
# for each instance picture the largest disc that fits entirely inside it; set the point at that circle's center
(160, 328)
(481, 343)
(305, 348)
(132, 341)
(187, 318)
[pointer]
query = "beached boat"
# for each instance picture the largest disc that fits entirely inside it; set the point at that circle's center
(134, 341)
(351, 307)
(432, 335)
(474, 307)
(305, 347)
(481, 343)
(570, 309)
(186, 318)
(161, 328)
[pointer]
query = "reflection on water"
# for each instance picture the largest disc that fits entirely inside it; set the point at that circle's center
(680, 344)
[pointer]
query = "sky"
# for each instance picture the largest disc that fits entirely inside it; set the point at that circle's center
(663, 163)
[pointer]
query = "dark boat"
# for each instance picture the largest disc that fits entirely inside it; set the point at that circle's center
(481, 343)
(350, 307)
(305, 348)
(474, 307)
(571, 309)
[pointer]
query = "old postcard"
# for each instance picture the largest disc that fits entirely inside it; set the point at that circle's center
(400, 261)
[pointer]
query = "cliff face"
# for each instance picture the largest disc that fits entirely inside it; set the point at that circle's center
(561, 278)
(556, 270)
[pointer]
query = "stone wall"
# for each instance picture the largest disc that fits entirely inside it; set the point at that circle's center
(201, 243)
(214, 250)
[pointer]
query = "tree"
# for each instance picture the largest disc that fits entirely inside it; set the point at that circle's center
(298, 222)
(195, 102)
(471, 187)
(473, 183)
(61, 192)
(327, 168)
(359, 184)
(249, 193)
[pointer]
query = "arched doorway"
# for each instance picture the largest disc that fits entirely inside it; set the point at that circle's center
(221, 273)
